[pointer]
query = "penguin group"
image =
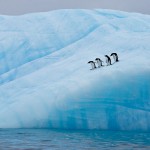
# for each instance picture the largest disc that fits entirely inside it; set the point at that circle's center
(99, 62)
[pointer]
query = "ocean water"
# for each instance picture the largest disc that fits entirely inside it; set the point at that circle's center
(38, 139)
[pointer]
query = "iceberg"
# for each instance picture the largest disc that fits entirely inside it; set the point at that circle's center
(46, 81)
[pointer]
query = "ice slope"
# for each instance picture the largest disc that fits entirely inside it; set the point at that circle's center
(45, 81)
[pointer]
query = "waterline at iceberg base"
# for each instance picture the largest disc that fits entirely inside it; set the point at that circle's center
(45, 81)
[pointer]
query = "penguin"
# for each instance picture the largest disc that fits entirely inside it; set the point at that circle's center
(92, 64)
(115, 56)
(99, 62)
(108, 60)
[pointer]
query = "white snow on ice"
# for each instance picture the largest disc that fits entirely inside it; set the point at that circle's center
(45, 81)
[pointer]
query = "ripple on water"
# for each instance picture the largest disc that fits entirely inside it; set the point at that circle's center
(69, 139)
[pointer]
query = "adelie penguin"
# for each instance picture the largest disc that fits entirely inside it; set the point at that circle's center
(99, 62)
(115, 56)
(92, 64)
(108, 60)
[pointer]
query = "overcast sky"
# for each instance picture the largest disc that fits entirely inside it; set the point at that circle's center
(17, 7)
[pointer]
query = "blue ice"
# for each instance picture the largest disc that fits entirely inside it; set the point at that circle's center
(45, 81)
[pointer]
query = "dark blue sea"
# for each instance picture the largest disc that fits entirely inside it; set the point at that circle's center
(46, 139)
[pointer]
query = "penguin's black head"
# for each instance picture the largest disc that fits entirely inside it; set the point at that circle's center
(113, 54)
(106, 55)
(99, 59)
(90, 62)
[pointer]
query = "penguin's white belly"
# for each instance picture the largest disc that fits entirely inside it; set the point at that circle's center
(99, 63)
(107, 61)
(92, 66)
(114, 57)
